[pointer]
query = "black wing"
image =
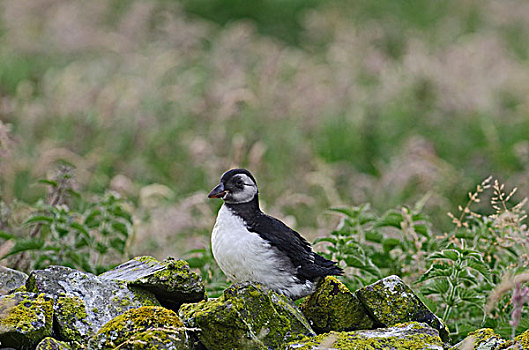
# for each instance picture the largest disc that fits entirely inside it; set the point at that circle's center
(309, 264)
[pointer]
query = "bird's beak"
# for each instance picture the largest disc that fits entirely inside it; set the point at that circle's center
(217, 192)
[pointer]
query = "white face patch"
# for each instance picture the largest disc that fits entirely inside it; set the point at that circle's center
(244, 194)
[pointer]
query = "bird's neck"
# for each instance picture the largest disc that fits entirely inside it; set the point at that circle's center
(247, 211)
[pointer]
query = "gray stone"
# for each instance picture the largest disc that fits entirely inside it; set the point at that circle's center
(390, 301)
(52, 344)
(170, 280)
(332, 307)
(11, 279)
(84, 302)
(149, 327)
(405, 336)
(481, 339)
(25, 319)
(246, 316)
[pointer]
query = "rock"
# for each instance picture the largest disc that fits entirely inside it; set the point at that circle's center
(481, 339)
(170, 280)
(102, 300)
(52, 344)
(246, 316)
(521, 342)
(11, 279)
(149, 327)
(390, 301)
(332, 307)
(25, 319)
(405, 336)
(71, 318)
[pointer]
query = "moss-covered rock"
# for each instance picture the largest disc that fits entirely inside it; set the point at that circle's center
(406, 336)
(74, 290)
(11, 279)
(25, 319)
(523, 340)
(332, 307)
(52, 344)
(246, 316)
(390, 301)
(481, 339)
(170, 280)
(142, 328)
(71, 319)
(156, 339)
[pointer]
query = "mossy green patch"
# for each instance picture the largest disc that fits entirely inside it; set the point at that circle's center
(71, 319)
(49, 343)
(406, 336)
(390, 301)
(132, 322)
(25, 318)
(332, 307)
(156, 339)
(523, 340)
(245, 316)
(482, 339)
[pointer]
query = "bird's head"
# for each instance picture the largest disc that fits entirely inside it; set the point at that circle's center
(236, 186)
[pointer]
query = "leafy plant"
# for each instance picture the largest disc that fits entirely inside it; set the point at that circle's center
(74, 231)
(372, 247)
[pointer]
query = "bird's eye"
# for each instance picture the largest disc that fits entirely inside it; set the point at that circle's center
(240, 182)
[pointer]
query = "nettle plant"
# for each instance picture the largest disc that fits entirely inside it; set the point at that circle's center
(471, 276)
(71, 230)
(372, 247)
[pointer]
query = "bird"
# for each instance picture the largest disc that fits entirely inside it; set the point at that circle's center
(251, 246)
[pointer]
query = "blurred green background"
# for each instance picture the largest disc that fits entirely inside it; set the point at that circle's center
(327, 102)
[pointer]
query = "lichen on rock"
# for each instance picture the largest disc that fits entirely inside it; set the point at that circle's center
(170, 280)
(142, 327)
(25, 319)
(481, 339)
(102, 299)
(332, 307)
(11, 279)
(71, 319)
(405, 336)
(49, 343)
(390, 301)
(246, 316)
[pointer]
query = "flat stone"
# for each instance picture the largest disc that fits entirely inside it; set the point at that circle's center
(170, 280)
(102, 300)
(332, 307)
(11, 279)
(405, 336)
(390, 301)
(246, 316)
(49, 343)
(25, 319)
(152, 326)
(481, 339)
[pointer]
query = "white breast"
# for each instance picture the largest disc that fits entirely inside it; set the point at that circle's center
(245, 256)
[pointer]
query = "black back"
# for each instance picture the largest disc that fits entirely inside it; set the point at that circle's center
(309, 265)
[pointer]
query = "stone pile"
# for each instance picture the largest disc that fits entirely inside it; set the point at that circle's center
(150, 304)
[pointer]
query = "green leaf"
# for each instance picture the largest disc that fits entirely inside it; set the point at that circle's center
(48, 182)
(391, 218)
(38, 219)
(5, 235)
(80, 227)
(325, 239)
(374, 236)
(390, 243)
(23, 245)
(121, 228)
